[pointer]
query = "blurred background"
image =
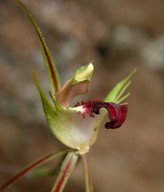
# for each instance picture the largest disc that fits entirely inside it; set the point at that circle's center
(118, 35)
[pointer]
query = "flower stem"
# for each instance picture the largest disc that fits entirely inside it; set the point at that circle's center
(65, 171)
(88, 182)
(31, 166)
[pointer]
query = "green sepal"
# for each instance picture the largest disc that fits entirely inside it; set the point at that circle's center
(49, 62)
(63, 122)
(116, 94)
(50, 111)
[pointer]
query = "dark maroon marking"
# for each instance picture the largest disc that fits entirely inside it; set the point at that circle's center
(117, 113)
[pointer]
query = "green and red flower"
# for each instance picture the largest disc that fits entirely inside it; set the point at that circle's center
(77, 127)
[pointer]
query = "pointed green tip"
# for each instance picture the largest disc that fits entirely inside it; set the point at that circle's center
(116, 94)
(83, 74)
(132, 73)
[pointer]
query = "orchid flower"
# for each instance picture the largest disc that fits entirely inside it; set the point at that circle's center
(77, 127)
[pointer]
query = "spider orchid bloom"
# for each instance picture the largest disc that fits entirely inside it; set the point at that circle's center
(77, 127)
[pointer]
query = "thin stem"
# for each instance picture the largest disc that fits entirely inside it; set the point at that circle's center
(31, 166)
(88, 181)
(65, 171)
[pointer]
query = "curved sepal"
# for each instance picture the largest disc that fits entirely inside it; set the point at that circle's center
(50, 111)
(49, 62)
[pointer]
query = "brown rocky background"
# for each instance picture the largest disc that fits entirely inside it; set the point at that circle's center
(118, 36)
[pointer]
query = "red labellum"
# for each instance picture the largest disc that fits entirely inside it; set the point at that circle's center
(117, 113)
